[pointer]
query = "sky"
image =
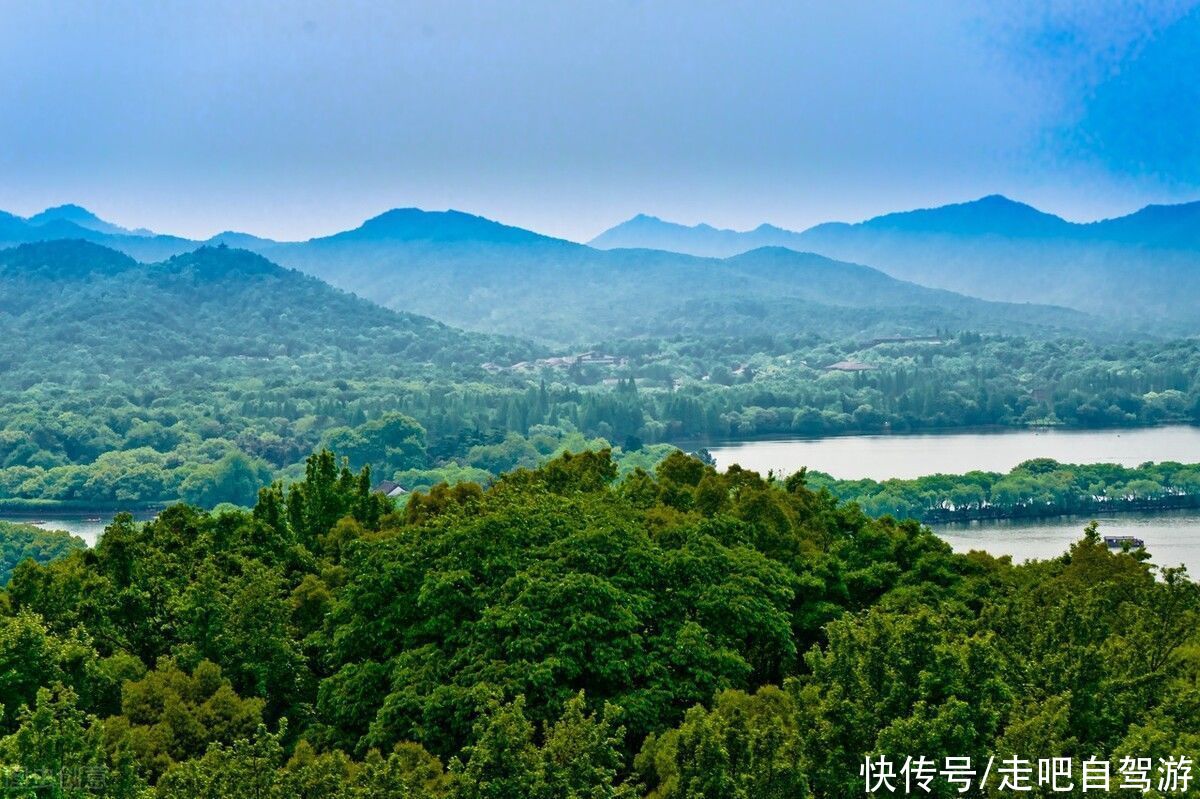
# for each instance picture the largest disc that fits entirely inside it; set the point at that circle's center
(299, 119)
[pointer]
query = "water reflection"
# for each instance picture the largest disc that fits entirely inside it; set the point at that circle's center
(88, 527)
(1172, 538)
(907, 456)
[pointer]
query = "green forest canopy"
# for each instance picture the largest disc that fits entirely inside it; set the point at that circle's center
(230, 370)
(568, 632)
(19, 542)
(1039, 487)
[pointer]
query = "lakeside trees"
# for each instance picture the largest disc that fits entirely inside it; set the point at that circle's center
(1039, 487)
(21, 541)
(229, 368)
(567, 632)
(209, 437)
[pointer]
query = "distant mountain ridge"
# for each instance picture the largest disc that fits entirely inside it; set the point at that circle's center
(82, 217)
(210, 303)
(993, 215)
(399, 224)
(483, 275)
(1143, 268)
(74, 222)
(650, 232)
(415, 224)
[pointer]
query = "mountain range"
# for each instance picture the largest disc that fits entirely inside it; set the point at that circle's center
(1143, 267)
(992, 264)
(996, 216)
(71, 301)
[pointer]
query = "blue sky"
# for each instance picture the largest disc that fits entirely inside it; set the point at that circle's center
(298, 119)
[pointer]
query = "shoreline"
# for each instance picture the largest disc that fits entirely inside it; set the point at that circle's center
(1123, 507)
(687, 444)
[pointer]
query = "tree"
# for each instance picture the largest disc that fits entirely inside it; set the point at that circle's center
(392, 443)
(582, 756)
(235, 478)
(246, 769)
(59, 752)
(169, 716)
(503, 762)
(746, 747)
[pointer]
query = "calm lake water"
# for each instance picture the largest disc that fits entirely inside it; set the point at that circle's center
(1172, 538)
(881, 457)
(86, 527)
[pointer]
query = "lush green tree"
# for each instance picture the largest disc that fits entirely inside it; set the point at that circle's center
(504, 760)
(249, 768)
(58, 750)
(749, 746)
(169, 716)
(19, 542)
(392, 443)
(582, 755)
(234, 479)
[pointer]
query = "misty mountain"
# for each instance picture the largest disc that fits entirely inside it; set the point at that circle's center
(1162, 226)
(73, 222)
(1141, 267)
(481, 275)
(1144, 267)
(82, 217)
(66, 300)
(63, 221)
(416, 225)
(236, 240)
(993, 215)
(652, 233)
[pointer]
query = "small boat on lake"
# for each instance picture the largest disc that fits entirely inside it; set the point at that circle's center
(1123, 542)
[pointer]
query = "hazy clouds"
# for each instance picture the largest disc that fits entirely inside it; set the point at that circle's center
(293, 120)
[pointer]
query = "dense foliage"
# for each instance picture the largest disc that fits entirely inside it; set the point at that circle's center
(229, 370)
(568, 632)
(19, 542)
(1040, 487)
(784, 386)
(481, 275)
(226, 369)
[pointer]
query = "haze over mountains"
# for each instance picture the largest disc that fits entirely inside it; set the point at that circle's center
(1165, 226)
(66, 300)
(1143, 266)
(928, 269)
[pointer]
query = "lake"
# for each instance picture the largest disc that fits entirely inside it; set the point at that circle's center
(1172, 538)
(880, 457)
(87, 527)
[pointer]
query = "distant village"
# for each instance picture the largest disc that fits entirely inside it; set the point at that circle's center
(590, 357)
(594, 358)
(862, 366)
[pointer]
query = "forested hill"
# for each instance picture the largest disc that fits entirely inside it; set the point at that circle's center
(71, 303)
(555, 291)
(479, 274)
(569, 633)
(200, 377)
(1145, 264)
